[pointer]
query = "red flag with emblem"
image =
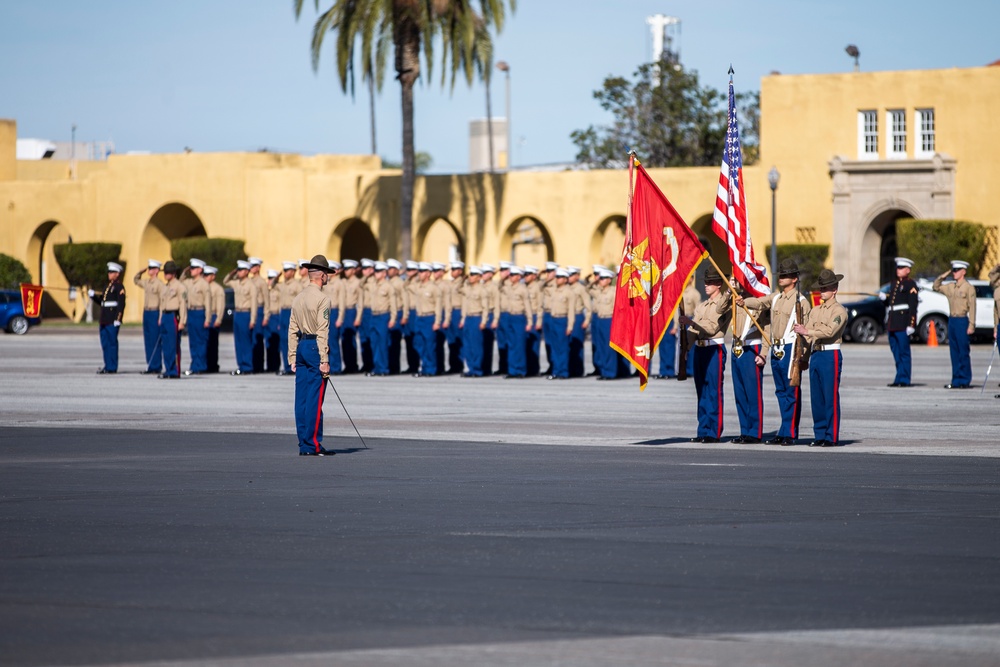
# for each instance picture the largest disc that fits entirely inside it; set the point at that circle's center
(660, 256)
(31, 300)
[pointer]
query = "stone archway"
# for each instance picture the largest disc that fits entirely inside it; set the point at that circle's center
(527, 241)
(45, 269)
(169, 222)
(878, 247)
(353, 239)
(608, 241)
(438, 240)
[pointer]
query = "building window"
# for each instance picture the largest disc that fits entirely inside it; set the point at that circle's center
(867, 135)
(896, 122)
(926, 146)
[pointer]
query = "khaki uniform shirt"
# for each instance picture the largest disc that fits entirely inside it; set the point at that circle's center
(198, 293)
(604, 302)
(537, 297)
(402, 295)
(427, 300)
(310, 315)
(995, 284)
(746, 330)
(352, 293)
(711, 318)
(826, 323)
(691, 298)
(274, 294)
(412, 285)
(383, 299)
(582, 301)
(492, 290)
(261, 286)
(474, 301)
(244, 296)
(562, 303)
(218, 300)
(151, 288)
(519, 301)
(961, 298)
(291, 289)
(336, 291)
(782, 306)
(452, 299)
(173, 296)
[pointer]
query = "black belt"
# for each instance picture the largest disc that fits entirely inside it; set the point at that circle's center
(241, 310)
(190, 309)
(303, 336)
(172, 312)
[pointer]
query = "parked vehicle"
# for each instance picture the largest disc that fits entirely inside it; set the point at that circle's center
(12, 318)
(933, 307)
(865, 318)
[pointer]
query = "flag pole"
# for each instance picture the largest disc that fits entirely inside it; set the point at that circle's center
(745, 309)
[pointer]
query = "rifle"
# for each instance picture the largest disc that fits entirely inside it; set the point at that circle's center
(682, 361)
(800, 355)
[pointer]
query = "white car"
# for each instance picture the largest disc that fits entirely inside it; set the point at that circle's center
(933, 307)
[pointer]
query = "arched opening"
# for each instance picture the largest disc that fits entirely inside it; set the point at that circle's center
(439, 240)
(171, 221)
(45, 269)
(608, 241)
(878, 247)
(352, 239)
(527, 241)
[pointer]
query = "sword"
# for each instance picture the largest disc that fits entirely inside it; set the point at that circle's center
(989, 368)
(330, 380)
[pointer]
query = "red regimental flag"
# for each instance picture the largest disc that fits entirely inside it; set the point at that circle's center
(31, 300)
(661, 253)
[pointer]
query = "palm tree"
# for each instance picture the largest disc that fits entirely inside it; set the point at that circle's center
(408, 26)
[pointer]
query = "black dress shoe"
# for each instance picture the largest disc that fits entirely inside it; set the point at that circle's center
(161, 376)
(819, 443)
(321, 452)
(776, 440)
(105, 371)
(750, 440)
(710, 441)
(697, 438)
(956, 386)
(149, 372)
(788, 442)
(738, 440)
(827, 443)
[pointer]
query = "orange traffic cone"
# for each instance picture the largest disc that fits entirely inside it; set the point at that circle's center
(931, 334)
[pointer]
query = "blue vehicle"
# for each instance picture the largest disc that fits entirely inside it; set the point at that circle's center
(12, 319)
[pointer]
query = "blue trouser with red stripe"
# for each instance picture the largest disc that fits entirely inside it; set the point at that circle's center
(171, 341)
(709, 378)
(310, 390)
(899, 343)
(242, 341)
(748, 386)
(789, 397)
(151, 339)
(109, 346)
(958, 345)
(824, 388)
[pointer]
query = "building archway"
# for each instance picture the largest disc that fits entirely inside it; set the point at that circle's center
(353, 239)
(527, 241)
(45, 269)
(439, 240)
(169, 222)
(608, 241)
(878, 248)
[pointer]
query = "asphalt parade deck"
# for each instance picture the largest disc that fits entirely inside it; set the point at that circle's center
(146, 521)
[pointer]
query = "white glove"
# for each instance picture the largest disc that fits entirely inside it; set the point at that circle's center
(910, 331)
(90, 292)
(117, 323)
(883, 296)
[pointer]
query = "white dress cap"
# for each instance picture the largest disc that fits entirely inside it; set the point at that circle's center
(572, 269)
(551, 266)
(517, 271)
(598, 268)
(394, 263)
(475, 271)
(957, 264)
(242, 264)
(350, 264)
(423, 266)
(367, 263)
(197, 263)
(528, 268)
(210, 270)
(438, 266)
(288, 266)
(303, 261)
(114, 266)
(561, 273)
(255, 261)
(489, 268)
(505, 265)
(153, 264)
(272, 273)
(457, 265)
(381, 266)
(333, 264)
(412, 265)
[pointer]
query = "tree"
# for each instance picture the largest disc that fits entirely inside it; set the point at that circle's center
(366, 29)
(12, 272)
(668, 118)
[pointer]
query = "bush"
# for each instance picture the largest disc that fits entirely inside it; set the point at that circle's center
(12, 272)
(932, 244)
(86, 264)
(220, 253)
(811, 258)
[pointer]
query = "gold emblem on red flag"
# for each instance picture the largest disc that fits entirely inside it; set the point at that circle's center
(31, 300)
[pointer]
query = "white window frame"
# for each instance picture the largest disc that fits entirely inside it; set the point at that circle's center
(895, 134)
(923, 132)
(868, 134)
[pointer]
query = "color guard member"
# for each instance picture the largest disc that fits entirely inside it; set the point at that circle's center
(749, 354)
(706, 332)
(961, 323)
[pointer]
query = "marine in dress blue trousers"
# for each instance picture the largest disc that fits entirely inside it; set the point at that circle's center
(748, 387)
(517, 360)
(151, 340)
(348, 341)
(559, 343)
(242, 341)
(825, 369)
(668, 353)
(310, 392)
(472, 345)
(197, 340)
(709, 379)
(170, 337)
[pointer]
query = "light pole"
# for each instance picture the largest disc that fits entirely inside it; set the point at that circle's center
(772, 178)
(855, 53)
(505, 68)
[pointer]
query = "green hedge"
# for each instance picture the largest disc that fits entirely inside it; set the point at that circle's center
(86, 264)
(811, 258)
(220, 253)
(932, 244)
(12, 272)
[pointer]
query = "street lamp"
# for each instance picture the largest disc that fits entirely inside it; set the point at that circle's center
(505, 68)
(855, 53)
(772, 179)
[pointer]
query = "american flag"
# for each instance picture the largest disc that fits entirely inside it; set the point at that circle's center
(730, 219)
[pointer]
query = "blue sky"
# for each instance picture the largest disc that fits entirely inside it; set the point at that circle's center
(232, 75)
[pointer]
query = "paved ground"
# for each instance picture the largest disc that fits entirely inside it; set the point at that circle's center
(146, 520)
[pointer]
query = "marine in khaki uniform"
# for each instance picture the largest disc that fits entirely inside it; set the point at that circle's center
(309, 357)
(706, 332)
(519, 322)
(353, 303)
(217, 310)
(244, 315)
(364, 331)
(151, 286)
(336, 291)
(199, 298)
(427, 302)
(472, 322)
(749, 356)
(173, 318)
(452, 314)
(290, 288)
(548, 278)
(961, 322)
(402, 314)
(561, 307)
(603, 294)
(824, 330)
(410, 329)
(384, 308)
(272, 338)
(502, 282)
(492, 315)
(782, 306)
(580, 324)
(534, 337)
(263, 315)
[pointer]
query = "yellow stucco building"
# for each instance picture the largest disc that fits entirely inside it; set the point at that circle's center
(855, 152)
